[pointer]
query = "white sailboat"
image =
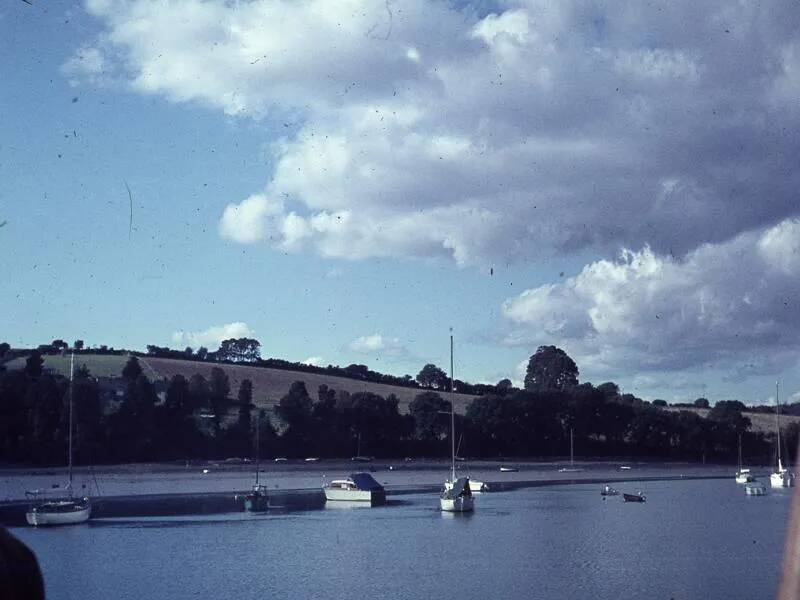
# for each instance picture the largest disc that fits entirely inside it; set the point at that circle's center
(457, 496)
(257, 500)
(61, 511)
(781, 477)
(742, 475)
(571, 468)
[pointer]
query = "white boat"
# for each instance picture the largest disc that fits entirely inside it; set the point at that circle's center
(755, 488)
(571, 468)
(475, 486)
(61, 511)
(608, 491)
(509, 469)
(257, 500)
(359, 487)
(742, 475)
(781, 477)
(458, 496)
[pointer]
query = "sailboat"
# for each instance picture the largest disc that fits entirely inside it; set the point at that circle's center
(358, 457)
(742, 475)
(456, 495)
(781, 477)
(572, 468)
(257, 500)
(63, 511)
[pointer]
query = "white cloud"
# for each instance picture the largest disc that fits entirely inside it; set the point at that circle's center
(315, 361)
(730, 306)
(378, 344)
(213, 336)
(432, 130)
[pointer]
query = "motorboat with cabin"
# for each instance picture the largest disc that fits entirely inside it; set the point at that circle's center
(359, 487)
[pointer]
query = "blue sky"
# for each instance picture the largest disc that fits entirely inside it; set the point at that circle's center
(346, 184)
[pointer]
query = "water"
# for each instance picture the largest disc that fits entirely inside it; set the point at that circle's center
(692, 539)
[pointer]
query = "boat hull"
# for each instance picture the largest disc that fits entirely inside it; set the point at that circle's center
(633, 498)
(256, 503)
(460, 504)
(44, 518)
(755, 490)
(371, 497)
(781, 480)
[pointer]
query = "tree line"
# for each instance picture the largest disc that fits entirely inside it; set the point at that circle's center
(199, 418)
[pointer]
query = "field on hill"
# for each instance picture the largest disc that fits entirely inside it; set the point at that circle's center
(759, 422)
(268, 384)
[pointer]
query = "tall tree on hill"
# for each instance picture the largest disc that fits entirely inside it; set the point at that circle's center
(78, 344)
(295, 410)
(59, 344)
(429, 423)
(245, 398)
(220, 389)
(33, 364)
(132, 369)
(550, 368)
(239, 350)
(432, 376)
(4, 348)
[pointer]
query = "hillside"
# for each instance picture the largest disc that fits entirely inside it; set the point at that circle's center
(759, 422)
(268, 384)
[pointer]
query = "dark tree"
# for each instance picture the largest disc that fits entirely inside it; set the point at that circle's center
(551, 369)
(660, 403)
(188, 351)
(702, 403)
(4, 349)
(433, 376)
(504, 386)
(239, 350)
(132, 369)
(33, 364)
(245, 397)
(610, 390)
(59, 344)
(220, 389)
(78, 344)
(429, 422)
(202, 353)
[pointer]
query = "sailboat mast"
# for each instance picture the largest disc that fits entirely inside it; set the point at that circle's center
(740, 451)
(258, 445)
(777, 423)
(571, 450)
(452, 413)
(69, 450)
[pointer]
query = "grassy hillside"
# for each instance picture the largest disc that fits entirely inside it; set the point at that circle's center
(268, 384)
(759, 422)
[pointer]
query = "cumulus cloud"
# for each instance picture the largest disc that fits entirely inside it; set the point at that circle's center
(213, 336)
(315, 361)
(378, 344)
(730, 306)
(435, 130)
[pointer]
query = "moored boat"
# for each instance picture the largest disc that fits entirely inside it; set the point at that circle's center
(257, 500)
(475, 486)
(509, 469)
(359, 487)
(457, 497)
(742, 475)
(61, 511)
(609, 491)
(637, 497)
(755, 488)
(781, 477)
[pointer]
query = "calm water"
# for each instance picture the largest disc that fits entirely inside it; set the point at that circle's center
(699, 539)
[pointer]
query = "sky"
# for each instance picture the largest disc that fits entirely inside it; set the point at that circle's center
(345, 181)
